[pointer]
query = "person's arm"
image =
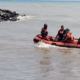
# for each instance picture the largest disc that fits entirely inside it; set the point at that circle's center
(65, 39)
(46, 33)
(41, 31)
(57, 34)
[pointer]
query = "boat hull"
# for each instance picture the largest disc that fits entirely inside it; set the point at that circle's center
(72, 44)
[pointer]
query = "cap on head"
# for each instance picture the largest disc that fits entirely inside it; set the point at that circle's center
(62, 26)
(45, 26)
(67, 30)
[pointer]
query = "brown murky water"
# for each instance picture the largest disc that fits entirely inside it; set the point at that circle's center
(20, 59)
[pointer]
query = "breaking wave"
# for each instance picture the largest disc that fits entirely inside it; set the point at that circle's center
(24, 17)
(44, 45)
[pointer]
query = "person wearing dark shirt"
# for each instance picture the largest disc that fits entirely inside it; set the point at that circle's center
(44, 31)
(60, 34)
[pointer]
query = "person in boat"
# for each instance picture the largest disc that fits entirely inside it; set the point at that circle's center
(44, 31)
(60, 34)
(78, 41)
(69, 37)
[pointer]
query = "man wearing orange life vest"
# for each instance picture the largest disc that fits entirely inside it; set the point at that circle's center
(44, 31)
(60, 33)
(69, 36)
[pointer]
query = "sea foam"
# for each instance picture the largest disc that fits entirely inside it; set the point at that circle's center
(25, 17)
(44, 45)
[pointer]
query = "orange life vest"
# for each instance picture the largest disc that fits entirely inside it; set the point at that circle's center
(61, 32)
(69, 36)
(72, 37)
(44, 30)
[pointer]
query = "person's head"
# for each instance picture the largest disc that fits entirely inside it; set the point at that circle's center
(45, 26)
(67, 30)
(62, 27)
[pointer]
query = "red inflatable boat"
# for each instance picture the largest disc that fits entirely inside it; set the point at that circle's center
(54, 41)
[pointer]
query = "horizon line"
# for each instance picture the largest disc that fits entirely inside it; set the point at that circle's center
(33, 1)
(38, 1)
